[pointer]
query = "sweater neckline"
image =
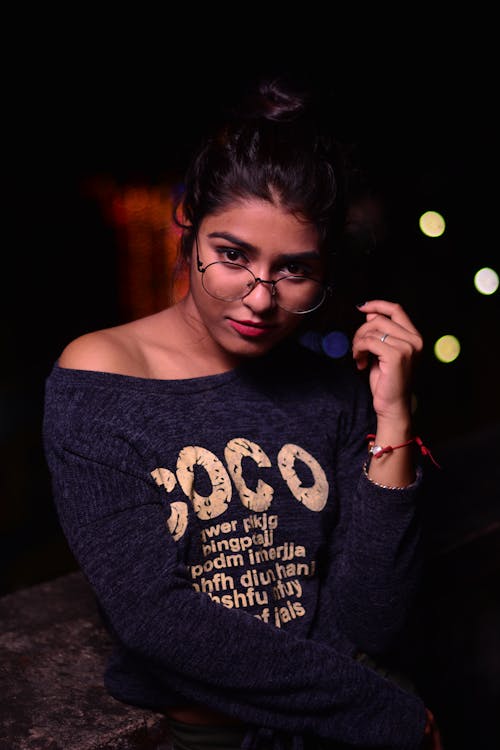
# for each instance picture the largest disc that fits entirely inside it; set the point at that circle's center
(262, 367)
(100, 379)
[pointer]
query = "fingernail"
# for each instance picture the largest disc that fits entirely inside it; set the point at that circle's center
(361, 304)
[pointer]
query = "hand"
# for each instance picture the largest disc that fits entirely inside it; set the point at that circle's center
(432, 735)
(391, 361)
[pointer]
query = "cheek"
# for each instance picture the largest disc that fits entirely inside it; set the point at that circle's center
(196, 286)
(208, 307)
(291, 323)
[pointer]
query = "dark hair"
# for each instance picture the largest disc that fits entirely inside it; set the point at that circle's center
(276, 145)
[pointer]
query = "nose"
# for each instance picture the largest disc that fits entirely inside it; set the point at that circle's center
(262, 296)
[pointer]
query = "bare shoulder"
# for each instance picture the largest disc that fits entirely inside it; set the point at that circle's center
(108, 350)
(150, 347)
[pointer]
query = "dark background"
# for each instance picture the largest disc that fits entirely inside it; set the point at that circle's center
(422, 116)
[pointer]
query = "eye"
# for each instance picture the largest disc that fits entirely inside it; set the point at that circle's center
(231, 254)
(296, 269)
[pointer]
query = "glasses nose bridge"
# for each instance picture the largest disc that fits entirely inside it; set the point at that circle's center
(273, 283)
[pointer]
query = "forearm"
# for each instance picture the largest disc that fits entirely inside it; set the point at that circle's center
(375, 577)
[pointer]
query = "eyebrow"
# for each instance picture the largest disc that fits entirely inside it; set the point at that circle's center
(302, 254)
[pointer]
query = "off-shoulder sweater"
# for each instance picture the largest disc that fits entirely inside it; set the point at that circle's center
(240, 557)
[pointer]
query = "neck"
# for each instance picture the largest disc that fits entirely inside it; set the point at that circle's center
(193, 340)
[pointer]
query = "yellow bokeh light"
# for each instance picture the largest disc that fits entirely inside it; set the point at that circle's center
(447, 348)
(486, 281)
(432, 224)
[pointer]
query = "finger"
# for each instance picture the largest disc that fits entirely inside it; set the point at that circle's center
(387, 332)
(391, 348)
(391, 310)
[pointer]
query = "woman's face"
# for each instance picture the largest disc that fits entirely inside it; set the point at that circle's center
(270, 242)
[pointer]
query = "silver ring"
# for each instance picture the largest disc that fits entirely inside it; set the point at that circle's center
(383, 338)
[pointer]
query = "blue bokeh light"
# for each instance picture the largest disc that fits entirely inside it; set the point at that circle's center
(335, 344)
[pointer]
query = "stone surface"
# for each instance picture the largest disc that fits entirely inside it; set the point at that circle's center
(53, 650)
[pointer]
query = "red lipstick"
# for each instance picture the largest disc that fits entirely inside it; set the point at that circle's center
(249, 328)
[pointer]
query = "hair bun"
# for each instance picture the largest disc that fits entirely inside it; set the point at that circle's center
(275, 98)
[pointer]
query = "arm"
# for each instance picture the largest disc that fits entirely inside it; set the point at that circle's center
(374, 563)
(375, 568)
(389, 344)
(378, 571)
(191, 643)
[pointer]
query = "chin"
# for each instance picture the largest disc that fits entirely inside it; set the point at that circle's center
(254, 349)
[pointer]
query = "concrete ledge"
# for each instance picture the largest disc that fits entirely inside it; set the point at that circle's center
(53, 650)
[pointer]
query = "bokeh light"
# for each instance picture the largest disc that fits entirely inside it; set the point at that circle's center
(312, 340)
(486, 281)
(335, 344)
(432, 224)
(447, 348)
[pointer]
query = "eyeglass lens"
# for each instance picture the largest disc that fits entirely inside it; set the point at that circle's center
(231, 282)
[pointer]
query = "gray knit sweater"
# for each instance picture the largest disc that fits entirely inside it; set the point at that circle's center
(240, 557)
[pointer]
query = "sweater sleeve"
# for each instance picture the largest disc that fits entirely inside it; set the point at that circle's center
(223, 658)
(375, 556)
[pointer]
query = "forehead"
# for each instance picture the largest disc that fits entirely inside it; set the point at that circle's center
(265, 225)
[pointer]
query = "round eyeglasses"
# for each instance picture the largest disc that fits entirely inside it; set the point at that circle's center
(231, 282)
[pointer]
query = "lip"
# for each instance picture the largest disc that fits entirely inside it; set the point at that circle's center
(250, 329)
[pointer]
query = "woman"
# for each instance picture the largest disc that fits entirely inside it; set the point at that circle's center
(251, 558)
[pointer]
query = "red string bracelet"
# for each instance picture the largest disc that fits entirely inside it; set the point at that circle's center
(377, 450)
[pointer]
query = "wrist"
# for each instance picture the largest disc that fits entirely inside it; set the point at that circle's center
(395, 428)
(380, 450)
